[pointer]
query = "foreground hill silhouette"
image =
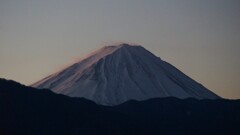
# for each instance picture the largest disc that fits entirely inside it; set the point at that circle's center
(29, 111)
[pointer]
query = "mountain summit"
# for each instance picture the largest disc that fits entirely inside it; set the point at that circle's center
(115, 74)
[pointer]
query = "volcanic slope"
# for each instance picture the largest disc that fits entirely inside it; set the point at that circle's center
(115, 74)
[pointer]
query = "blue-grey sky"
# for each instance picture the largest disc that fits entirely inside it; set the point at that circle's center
(199, 37)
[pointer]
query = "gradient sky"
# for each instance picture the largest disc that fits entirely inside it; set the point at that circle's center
(199, 37)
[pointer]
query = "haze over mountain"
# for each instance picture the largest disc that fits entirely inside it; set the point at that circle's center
(115, 74)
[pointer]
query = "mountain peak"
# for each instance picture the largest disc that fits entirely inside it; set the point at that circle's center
(122, 45)
(115, 74)
(129, 45)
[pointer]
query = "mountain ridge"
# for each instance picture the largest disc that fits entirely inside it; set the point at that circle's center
(27, 111)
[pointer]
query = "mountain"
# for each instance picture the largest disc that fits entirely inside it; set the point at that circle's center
(115, 74)
(29, 111)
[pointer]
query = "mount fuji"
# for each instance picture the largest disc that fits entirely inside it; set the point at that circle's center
(115, 74)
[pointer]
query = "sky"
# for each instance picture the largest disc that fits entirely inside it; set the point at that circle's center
(199, 37)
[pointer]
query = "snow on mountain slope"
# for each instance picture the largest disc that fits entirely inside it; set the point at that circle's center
(115, 74)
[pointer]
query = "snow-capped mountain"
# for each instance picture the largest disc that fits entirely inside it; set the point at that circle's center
(115, 74)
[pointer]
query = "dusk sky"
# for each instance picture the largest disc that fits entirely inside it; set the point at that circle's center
(199, 37)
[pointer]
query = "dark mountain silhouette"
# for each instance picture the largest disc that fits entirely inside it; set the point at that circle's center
(29, 111)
